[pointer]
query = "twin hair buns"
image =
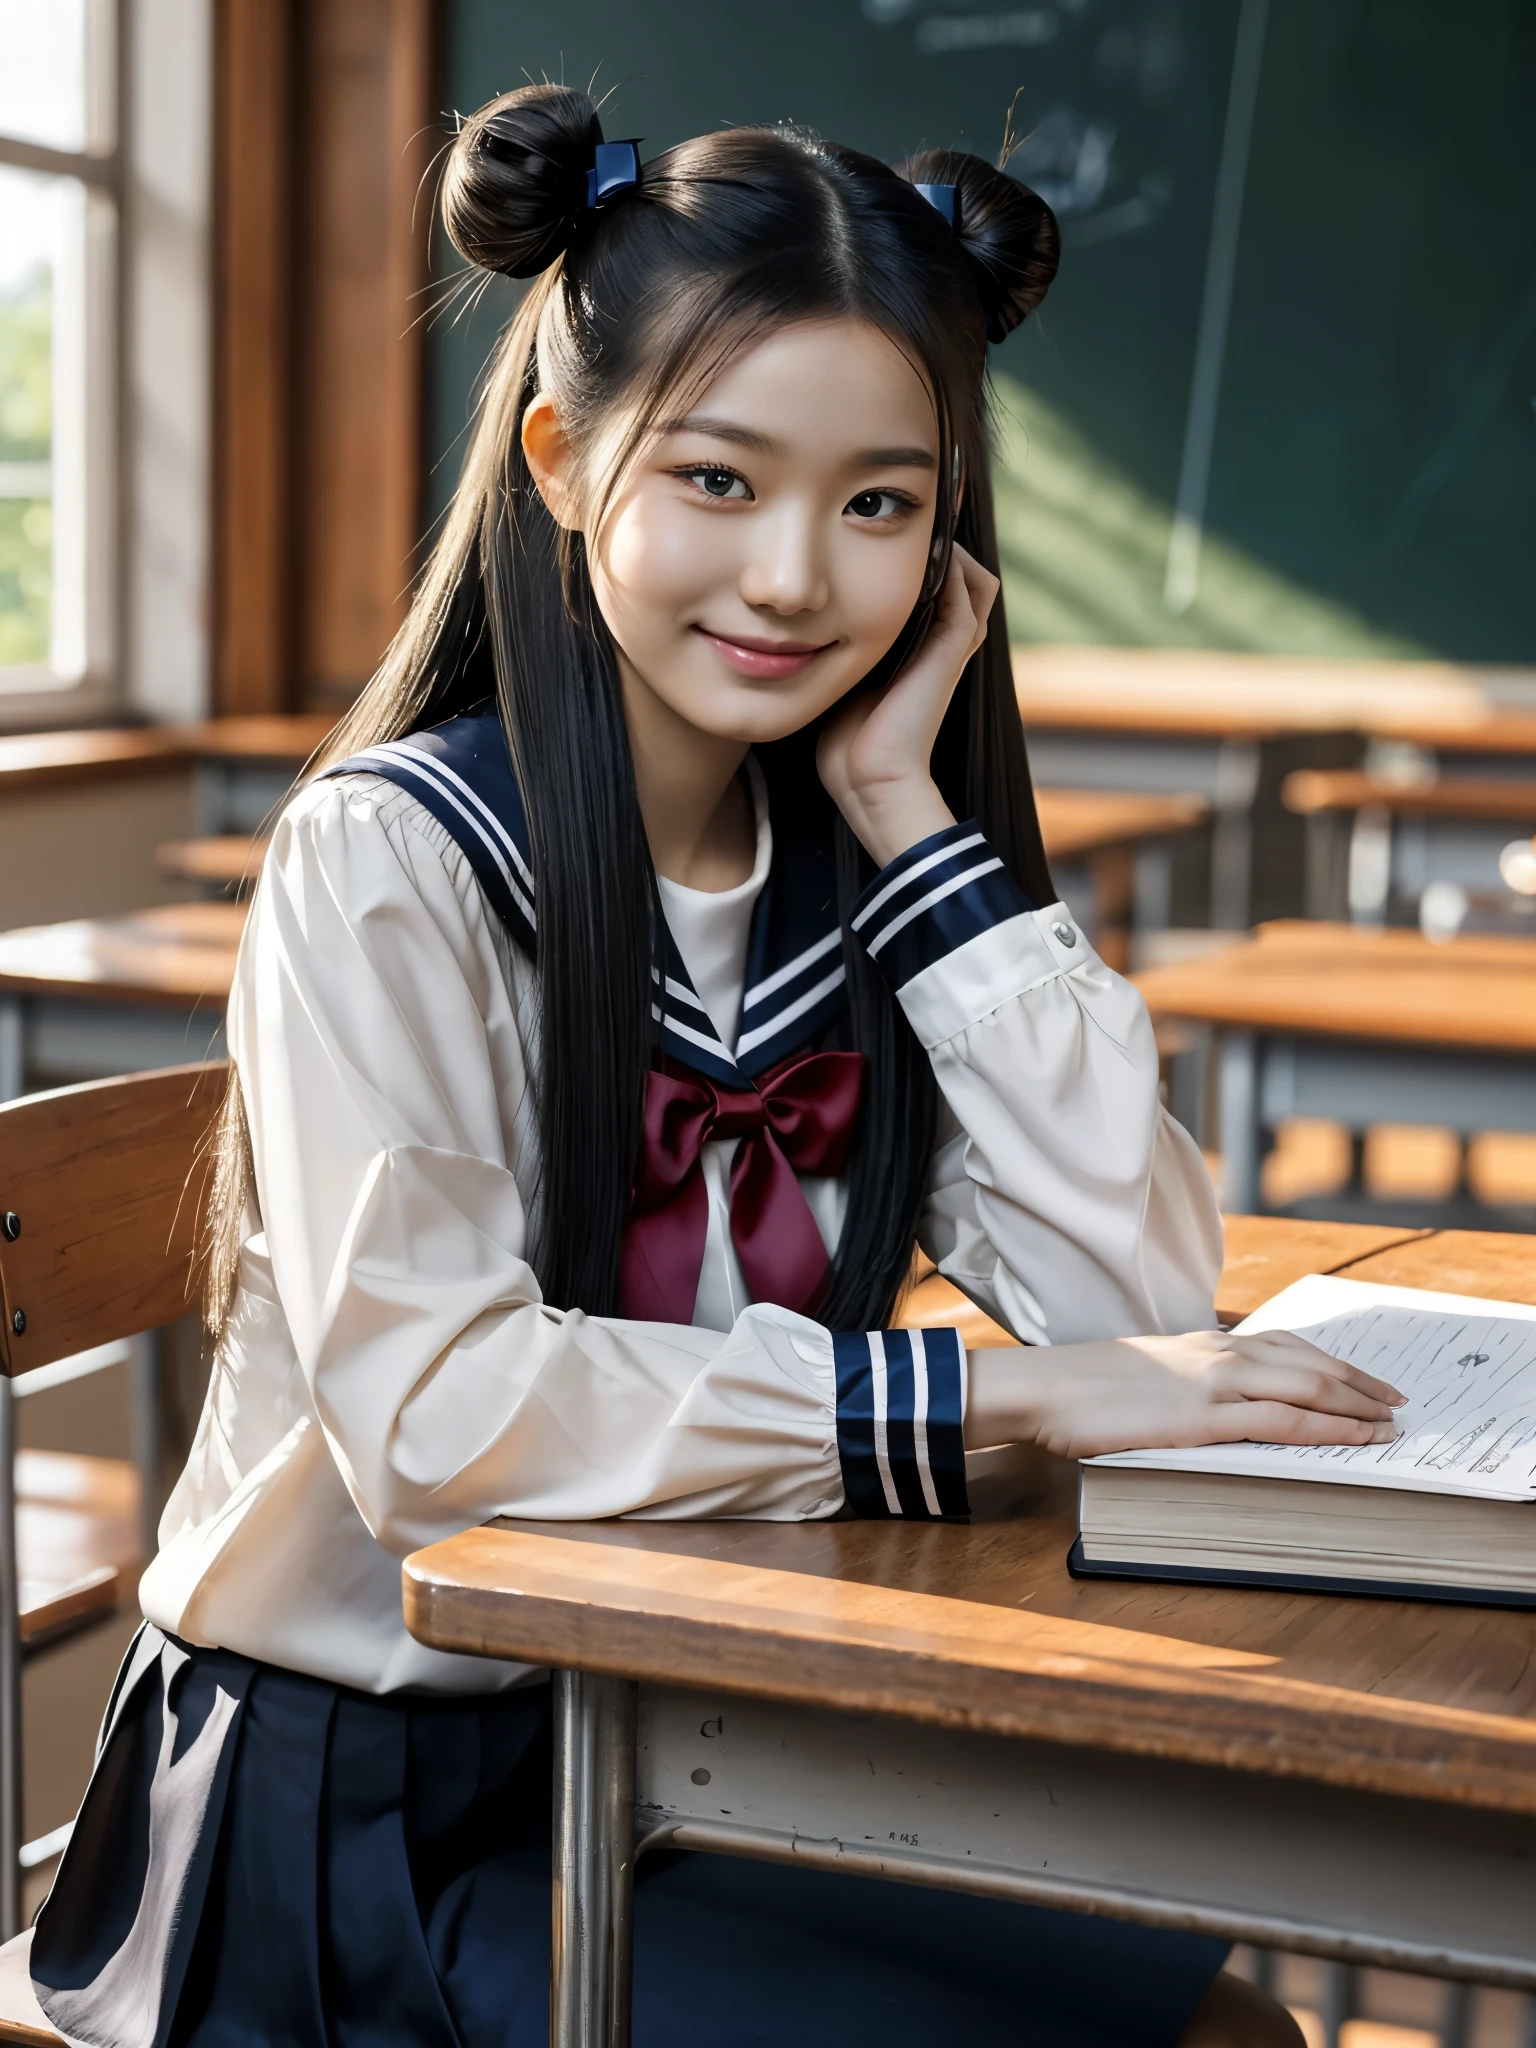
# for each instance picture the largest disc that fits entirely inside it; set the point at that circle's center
(515, 199)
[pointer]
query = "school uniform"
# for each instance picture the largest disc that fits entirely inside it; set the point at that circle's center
(306, 1826)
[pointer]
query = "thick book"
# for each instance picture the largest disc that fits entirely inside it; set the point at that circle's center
(1447, 1511)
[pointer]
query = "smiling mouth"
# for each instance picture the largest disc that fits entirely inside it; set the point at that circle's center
(768, 660)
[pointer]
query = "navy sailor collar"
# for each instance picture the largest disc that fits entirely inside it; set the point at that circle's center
(461, 772)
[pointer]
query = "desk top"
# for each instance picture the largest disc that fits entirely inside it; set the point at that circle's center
(1198, 694)
(228, 858)
(1311, 790)
(181, 954)
(44, 760)
(981, 1626)
(1346, 981)
(1079, 821)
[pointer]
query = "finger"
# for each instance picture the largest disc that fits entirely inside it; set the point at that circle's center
(1301, 1386)
(1287, 1343)
(1278, 1422)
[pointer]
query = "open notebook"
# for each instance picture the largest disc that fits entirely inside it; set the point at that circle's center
(1446, 1512)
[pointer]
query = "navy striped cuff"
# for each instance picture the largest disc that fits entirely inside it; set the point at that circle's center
(946, 890)
(900, 1404)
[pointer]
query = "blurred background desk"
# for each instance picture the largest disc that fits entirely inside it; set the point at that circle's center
(1360, 1027)
(1377, 843)
(101, 996)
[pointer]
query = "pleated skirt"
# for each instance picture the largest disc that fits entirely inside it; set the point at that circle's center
(265, 1858)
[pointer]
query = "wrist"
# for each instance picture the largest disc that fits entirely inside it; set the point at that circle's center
(888, 817)
(1008, 1400)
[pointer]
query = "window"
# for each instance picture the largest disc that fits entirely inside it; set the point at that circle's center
(60, 322)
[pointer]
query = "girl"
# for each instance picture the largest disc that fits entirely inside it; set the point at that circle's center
(663, 944)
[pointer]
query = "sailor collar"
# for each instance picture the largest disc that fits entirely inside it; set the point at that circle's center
(461, 772)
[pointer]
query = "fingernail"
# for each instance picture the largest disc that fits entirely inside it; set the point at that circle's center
(1385, 1433)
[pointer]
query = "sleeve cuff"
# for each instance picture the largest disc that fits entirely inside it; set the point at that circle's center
(900, 1416)
(933, 899)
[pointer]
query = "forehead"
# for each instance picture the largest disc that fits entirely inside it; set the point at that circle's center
(822, 387)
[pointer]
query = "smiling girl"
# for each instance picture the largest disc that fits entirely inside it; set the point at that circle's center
(664, 945)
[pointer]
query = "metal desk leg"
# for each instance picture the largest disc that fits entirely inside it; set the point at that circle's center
(10, 1675)
(1239, 1136)
(594, 1830)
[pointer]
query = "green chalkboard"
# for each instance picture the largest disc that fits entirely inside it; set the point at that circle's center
(1297, 304)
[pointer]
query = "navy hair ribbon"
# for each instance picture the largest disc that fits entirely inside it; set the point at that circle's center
(941, 198)
(615, 168)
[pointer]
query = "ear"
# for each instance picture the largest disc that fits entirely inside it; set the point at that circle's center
(550, 460)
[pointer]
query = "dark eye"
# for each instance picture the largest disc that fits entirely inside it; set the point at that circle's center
(877, 504)
(718, 483)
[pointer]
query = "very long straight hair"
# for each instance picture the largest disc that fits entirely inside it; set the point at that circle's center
(725, 238)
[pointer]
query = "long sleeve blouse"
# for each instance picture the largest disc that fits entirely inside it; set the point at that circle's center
(391, 1372)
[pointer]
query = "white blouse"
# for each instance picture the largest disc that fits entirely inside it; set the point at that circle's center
(391, 1373)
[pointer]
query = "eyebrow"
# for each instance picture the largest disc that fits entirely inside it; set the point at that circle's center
(764, 444)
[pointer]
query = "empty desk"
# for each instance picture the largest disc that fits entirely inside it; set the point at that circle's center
(115, 995)
(1361, 1027)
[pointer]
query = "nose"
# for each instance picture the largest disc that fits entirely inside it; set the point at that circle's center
(784, 570)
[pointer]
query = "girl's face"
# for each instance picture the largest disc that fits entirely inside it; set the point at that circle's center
(769, 546)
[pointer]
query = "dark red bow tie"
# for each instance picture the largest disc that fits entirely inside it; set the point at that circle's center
(799, 1118)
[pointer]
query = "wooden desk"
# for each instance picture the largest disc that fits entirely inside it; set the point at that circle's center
(944, 1705)
(242, 768)
(1363, 1027)
(1373, 840)
(1266, 1253)
(227, 862)
(1230, 726)
(115, 995)
(1110, 858)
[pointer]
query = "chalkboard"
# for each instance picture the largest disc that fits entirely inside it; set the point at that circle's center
(1283, 395)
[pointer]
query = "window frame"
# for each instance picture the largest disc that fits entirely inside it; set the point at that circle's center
(33, 694)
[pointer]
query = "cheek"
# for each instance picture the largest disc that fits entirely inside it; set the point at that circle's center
(881, 581)
(654, 562)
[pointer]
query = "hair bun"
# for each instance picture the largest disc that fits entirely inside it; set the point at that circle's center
(515, 187)
(1008, 234)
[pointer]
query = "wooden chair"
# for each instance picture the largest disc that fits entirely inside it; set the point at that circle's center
(101, 1194)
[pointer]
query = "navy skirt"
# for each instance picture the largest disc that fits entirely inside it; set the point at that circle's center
(265, 1858)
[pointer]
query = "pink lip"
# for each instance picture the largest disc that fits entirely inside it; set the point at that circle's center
(768, 660)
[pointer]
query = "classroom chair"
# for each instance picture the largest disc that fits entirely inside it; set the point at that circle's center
(101, 1192)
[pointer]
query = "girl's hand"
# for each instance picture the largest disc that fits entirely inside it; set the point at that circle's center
(875, 755)
(1164, 1393)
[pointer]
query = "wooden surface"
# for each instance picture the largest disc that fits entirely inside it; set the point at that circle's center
(1310, 790)
(107, 1182)
(77, 1526)
(21, 2017)
(255, 561)
(64, 760)
(1194, 693)
(178, 953)
(1074, 822)
(227, 859)
(371, 126)
(1350, 982)
(982, 1627)
(290, 737)
(1266, 1253)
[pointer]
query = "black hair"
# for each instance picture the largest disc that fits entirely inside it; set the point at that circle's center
(637, 303)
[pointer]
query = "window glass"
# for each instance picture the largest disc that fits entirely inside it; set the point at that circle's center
(43, 95)
(43, 259)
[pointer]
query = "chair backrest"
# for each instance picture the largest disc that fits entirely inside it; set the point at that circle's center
(101, 1198)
